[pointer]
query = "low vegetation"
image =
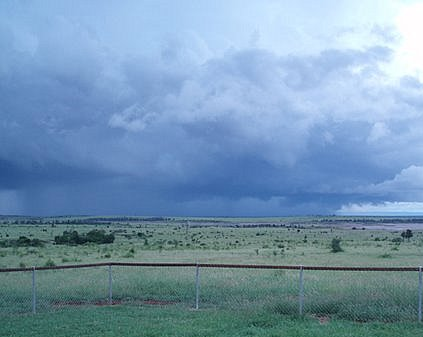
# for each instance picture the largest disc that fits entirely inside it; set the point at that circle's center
(304, 240)
(22, 241)
(336, 245)
(288, 241)
(161, 321)
(98, 236)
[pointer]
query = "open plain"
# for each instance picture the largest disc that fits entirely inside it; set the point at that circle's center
(241, 301)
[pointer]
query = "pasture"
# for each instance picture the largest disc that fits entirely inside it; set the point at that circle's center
(296, 241)
(243, 302)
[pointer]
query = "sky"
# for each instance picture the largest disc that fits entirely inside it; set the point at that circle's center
(211, 108)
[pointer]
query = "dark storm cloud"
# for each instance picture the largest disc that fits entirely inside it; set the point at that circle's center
(185, 131)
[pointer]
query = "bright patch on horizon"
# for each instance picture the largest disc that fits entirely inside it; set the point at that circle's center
(386, 208)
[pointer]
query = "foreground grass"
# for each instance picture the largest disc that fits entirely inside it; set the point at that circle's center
(169, 321)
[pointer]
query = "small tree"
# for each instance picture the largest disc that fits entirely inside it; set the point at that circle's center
(336, 245)
(407, 235)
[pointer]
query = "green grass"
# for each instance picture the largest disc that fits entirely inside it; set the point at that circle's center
(167, 321)
(232, 302)
(356, 296)
(307, 243)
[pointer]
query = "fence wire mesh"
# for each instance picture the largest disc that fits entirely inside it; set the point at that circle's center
(71, 288)
(16, 292)
(225, 288)
(154, 285)
(359, 295)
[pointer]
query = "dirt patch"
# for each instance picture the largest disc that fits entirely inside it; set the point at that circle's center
(158, 302)
(322, 319)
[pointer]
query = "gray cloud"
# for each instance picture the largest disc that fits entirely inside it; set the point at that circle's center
(188, 131)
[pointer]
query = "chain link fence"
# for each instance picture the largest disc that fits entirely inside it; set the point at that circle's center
(358, 294)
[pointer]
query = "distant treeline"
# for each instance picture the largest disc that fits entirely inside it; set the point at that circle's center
(79, 221)
(279, 222)
(128, 219)
(363, 220)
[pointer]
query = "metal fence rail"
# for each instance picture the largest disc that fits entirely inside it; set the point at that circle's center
(352, 293)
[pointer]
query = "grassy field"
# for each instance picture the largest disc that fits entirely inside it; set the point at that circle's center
(159, 301)
(153, 321)
(293, 241)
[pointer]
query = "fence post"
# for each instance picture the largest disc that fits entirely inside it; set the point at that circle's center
(420, 293)
(110, 284)
(301, 294)
(197, 286)
(34, 295)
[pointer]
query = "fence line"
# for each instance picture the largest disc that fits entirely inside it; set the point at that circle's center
(213, 265)
(322, 293)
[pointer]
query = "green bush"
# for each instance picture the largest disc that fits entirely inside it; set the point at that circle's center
(74, 238)
(69, 238)
(99, 236)
(49, 263)
(385, 256)
(22, 241)
(336, 245)
(407, 234)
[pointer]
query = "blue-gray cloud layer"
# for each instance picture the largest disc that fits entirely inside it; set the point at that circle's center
(86, 127)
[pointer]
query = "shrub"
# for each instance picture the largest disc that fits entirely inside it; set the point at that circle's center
(336, 245)
(407, 234)
(129, 254)
(49, 263)
(22, 241)
(69, 238)
(99, 236)
(74, 238)
(385, 256)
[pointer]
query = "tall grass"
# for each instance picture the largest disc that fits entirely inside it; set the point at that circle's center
(351, 295)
